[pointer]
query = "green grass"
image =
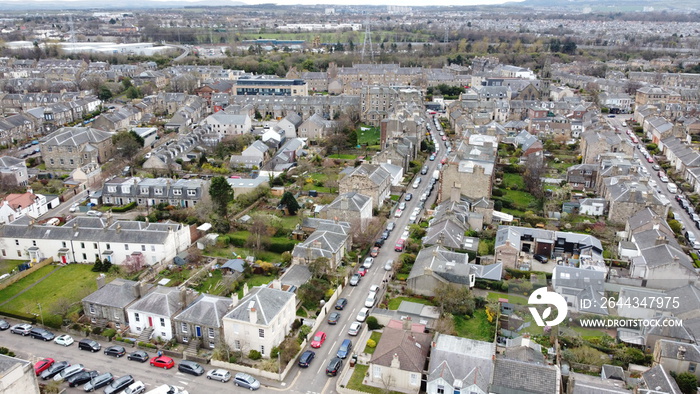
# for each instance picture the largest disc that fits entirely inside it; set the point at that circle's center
(343, 156)
(255, 281)
(358, 375)
(513, 181)
(7, 265)
(21, 284)
(520, 200)
(587, 332)
(395, 302)
(320, 189)
(375, 336)
(368, 137)
(477, 327)
(208, 285)
(512, 298)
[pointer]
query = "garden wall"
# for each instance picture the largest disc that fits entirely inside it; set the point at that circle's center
(20, 275)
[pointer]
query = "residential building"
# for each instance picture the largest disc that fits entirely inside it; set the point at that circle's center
(521, 370)
(583, 289)
(316, 128)
(399, 358)
(460, 364)
(258, 85)
(17, 376)
(149, 192)
(470, 168)
(260, 321)
(594, 144)
(228, 124)
(658, 380)
(349, 207)
(582, 176)
(155, 311)
(71, 147)
(585, 384)
(16, 206)
(13, 172)
(329, 240)
(677, 357)
(370, 180)
(202, 320)
(108, 303)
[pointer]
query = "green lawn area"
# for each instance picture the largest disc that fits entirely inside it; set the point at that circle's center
(7, 265)
(478, 327)
(208, 285)
(587, 332)
(254, 281)
(320, 189)
(176, 276)
(368, 137)
(375, 336)
(513, 181)
(358, 375)
(395, 302)
(520, 200)
(67, 286)
(343, 156)
(512, 298)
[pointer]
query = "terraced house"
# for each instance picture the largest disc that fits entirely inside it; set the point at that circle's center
(70, 147)
(150, 192)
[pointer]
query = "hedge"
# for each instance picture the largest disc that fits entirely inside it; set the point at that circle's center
(127, 207)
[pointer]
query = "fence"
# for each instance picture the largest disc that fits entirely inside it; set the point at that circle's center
(20, 275)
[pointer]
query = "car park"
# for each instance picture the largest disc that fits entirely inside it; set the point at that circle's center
(389, 265)
(355, 279)
(221, 375)
(334, 366)
(246, 381)
(21, 329)
(138, 355)
(98, 381)
(81, 378)
(318, 339)
(68, 372)
(306, 358)
(368, 262)
(138, 387)
(344, 348)
(115, 351)
(42, 365)
(89, 344)
(54, 369)
(41, 333)
(190, 367)
(64, 340)
(162, 362)
(362, 314)
(333, 318)
(362, 271)
(355, 328)
(341, 303)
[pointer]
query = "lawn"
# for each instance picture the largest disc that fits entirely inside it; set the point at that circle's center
(60, 291)
(21, 284)
(255, 281)
(395, 302)
(343, 156)
(368, 137)
(512, 298)
(513, 181)
(210, 283)
(477, 327)
(375, 336)
(358, 375)
(7, 265)
(519, 200)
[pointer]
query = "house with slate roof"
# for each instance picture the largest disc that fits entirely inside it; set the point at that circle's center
(202, 320)
(351, 207)
(370, 180)
(228, 124)
(516, 373)
(17, 375)
(13, 172)
(155, 311)
(70, 147)
(460, 365)
(677, 357)
(583, 289)
(260, 321)
(594, 143)
(399, 359)
(109, 302)
(660, 261)
(658, 380)
(586, 384)
(330, 240)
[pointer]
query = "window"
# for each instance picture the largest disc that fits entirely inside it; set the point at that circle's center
(71, 161)
(237, 345)
(112, 189)
(4, 253)
(261, 333)
(136, 317)
(116, 315)
(691, 367)
(177, 192)
(63, 244)
(92, 309)
(211, 332)
(158, 191)
(440, 389)
(185, 339)
(162, 333)
(377, 371)
(126, 246)
(191, 192)
(94, 245)
(262, 350)
(153, 248)
(414, 381)
(144, 190)
(162, 323)
(82, 245)
(143, 248)
(61, 161)
(84, 257)
(108, 247)
(184, 327)
(212, 345)
(19, 253)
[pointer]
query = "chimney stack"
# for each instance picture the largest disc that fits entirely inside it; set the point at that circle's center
(101, 281)
(253, 313)
(234, 299)
(395, 363)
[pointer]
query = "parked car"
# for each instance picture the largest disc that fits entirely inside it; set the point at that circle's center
(94, 213)
(246, 381)
(98, 381)
(74, 208)
(333, 318)
(385, 234)
(355, 279)
(542, 259)
(362, 314)
(138, 387)
(379, 242)
(408, 197)
(42, 365)
(399, 246)
(190, 367)
(341, 303)
(68, 372)
(362, 271)
(355, 328)
(139, 356)
(318, 339)
(89, 344)
(119, 384)
(389, 265)
(54, 369)
(371, 300)
(43, 334)
(344, 348)
(334, 366)
(21, 329)
(115, 351)
(162, 362)
(221, 375)
(64, 340)
(81, 378)
(4, 325)
(374, 252)
(368, 262)
(390, 226)
(306, 358)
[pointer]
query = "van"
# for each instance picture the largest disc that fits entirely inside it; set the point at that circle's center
(89, 344)
(672, 188)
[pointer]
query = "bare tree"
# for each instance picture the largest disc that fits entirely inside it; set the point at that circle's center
(258, 234)
(319, 267)
(535, 170)
(134, 263)
(387, 382)
(362, 239)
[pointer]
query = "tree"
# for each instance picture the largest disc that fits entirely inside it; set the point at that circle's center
(288, 349)
(258, 233)
(454, 299)
(98, 265)
(288, 201)
(221, 195)
(134, 263)
(319, 267)
(535, 170)
(104, 93)
(687, 382)
(127, 144)
(133, 92)
(106, 265)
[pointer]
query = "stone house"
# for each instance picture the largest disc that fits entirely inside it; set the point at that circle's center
(202, 320)
(625, 198)
(582, 176)
(398, 360)
(71, 147)
(677, 357)
(350, 207)
(315, 128)
(330, 240)
(460, 364)
(594, 143)
(13, 172)
(470, 168)
(109, 302)
(369, 180)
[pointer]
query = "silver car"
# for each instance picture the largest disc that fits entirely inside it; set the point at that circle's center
(221, 375)
(355, 328)
(246, 381)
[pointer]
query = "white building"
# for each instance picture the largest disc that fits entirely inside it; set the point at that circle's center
(228, 124)
(156, 311)
(16, 206)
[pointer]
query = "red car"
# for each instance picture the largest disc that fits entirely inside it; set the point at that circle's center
(374, 252)
(42, 365)
(318, 340)
(362, 271)
(163, 362)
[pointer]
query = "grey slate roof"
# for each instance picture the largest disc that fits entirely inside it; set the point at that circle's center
(585, 384)
(75, 136)
(521, 377)
(234, 265)
(296, 275)
(658, 380)
(118, 293)
(7, 363)
(267, 301)
(207, 310)
(454, 267)
(454, 358)
(679, 350)
(163, 301)
(352, 201)
(410, 347)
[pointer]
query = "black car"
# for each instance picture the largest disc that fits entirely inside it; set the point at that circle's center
(139, 356)
(98, 381)
(115, 351)
(89, 344)
(334, 366)
(4, 325)
(190, 367)
(119, 384)
(385, 234)
(540, 258)
(333, 318)
(379, 243)
(54, 369)
(306, 358)
(81, 378)
(40, 333)
(341, 303)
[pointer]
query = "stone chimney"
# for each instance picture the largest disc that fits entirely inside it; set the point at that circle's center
(119, 227)
(344, 202)
(234, 299)
(661, 240)
(455, 192)
(253, 313)
(395, 363)
(101, 281)
(681, 353)
(135, 289)
(245, 289)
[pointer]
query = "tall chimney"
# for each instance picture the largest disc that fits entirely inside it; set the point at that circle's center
(253, 313)
(101, 281)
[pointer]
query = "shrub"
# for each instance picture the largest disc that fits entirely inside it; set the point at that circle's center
(274, 352)
(303, 332)
(127, 207)
(372, 323)
(148, 345)
(371, 343)
(109, 333)
(254, 355)
(7, 352)
(97, 330)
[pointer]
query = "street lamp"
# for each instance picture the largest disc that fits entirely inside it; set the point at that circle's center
(41, 314)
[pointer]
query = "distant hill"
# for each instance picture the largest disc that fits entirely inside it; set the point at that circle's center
(15, 5)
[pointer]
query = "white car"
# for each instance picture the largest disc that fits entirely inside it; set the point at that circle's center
(402, 205)
(413, 217)
(371, 300)
(74, 208)
(221, 375)
(398, 213)
(389, 265)
(64, 340)
(94, 213)
(137, 387)
(373, 289)
(362, 314)
(368, 262)
(355, 328)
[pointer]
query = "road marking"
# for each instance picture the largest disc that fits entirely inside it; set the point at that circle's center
(323, 390)
(343, 329)
(319, 368)
(333, 347)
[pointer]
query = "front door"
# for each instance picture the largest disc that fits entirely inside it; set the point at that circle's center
(198, 329)
(63, 259)
(150, 321)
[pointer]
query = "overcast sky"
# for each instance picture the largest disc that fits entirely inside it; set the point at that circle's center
(310, 2)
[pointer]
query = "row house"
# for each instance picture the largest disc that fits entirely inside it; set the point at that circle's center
(71, 147)
(680, 155)
(118, 120)
(582, 176)
(13, 172)
(656, 95)
(18, 128)
(202, 321)
(155, 78)
(85, 239)
(150, 192)
(657, 129)
(316, 128)
(16, 206)
(625, 197)
(471, 168)
(278, 107)
(595, 143)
